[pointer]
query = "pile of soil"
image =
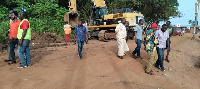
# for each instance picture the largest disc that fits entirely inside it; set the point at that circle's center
(45, 39)
(41, 40)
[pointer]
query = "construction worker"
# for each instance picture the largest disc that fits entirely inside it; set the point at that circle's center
(80, 33)
(151, 44)
(24, 36)
(121, 38)
(13, 35)
(170, 31)
(162, 36)
(67, 30)
(138, 39)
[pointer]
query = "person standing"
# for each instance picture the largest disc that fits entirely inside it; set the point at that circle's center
(9, 56)
(127, 30)
(13, 35)
(67, 30)
(151, 43)
(80, 33)
(85, 24)
(163, 38)
(170, 31)
(138, 39)
(121, 38)
(24, 36)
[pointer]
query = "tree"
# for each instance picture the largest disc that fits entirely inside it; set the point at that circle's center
(157, 10)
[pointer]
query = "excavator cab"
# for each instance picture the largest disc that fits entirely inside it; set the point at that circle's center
(97, 15)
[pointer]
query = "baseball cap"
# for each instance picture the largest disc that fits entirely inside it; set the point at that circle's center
(154, 25)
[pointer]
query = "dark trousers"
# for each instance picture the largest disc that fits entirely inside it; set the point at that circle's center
(137, 49)
(12, 44)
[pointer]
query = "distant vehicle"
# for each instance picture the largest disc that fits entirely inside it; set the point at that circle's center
(179, 31)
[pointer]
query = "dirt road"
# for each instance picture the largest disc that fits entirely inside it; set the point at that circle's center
(61, 68)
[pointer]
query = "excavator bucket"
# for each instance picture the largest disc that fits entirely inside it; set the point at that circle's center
(71, 18)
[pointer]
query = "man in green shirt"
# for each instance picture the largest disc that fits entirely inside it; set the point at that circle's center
(170, 30)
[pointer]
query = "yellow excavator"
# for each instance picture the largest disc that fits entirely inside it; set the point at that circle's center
(101, 24)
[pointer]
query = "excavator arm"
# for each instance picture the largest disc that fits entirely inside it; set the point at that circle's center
(72, 16)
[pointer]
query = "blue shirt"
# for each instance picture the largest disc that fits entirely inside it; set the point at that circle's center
(80, 33)
(139, 31)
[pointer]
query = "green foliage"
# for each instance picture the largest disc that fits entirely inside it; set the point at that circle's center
(44, 15)
(157, 10)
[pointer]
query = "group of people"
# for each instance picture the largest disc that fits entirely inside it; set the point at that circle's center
(20, 36)
(156, 41)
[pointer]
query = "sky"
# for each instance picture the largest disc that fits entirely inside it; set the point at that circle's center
(187, 8)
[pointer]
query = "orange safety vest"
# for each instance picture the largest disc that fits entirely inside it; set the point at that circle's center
(67, 29)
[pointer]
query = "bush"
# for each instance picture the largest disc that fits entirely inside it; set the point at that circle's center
(44, 16)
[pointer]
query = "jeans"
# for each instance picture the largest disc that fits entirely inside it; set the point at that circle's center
(80, 47)
(159, 62)
(137, 49)
(12, 44)
(24, 50)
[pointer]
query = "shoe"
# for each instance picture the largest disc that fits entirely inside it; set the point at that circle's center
(12, 62)
(163, 69)
(167, 60)
(80, 57)
(121, 57)
(139, 57)
(6, 60)
(21, 66)
(157, 67)
(133, 55)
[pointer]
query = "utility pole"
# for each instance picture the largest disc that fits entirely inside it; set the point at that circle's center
(196, 17)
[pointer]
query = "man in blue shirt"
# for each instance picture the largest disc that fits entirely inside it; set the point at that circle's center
(80, 33)
(138, 39)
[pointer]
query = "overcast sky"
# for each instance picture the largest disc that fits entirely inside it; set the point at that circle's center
(187, 8)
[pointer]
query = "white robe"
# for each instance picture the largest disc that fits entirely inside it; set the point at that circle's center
(121, 39)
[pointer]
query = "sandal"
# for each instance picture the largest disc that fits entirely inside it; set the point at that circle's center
(121, 57)
(11, 63)
(167, 60)
(134, 56)
(150, 73)
(139, 57)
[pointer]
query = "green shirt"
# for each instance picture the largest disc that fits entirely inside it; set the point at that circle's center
(170, 30)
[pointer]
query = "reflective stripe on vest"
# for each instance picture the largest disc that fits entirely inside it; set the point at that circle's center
(67, 29)
(20, 31)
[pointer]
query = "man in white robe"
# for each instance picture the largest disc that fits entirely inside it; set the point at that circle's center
(121, 38)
